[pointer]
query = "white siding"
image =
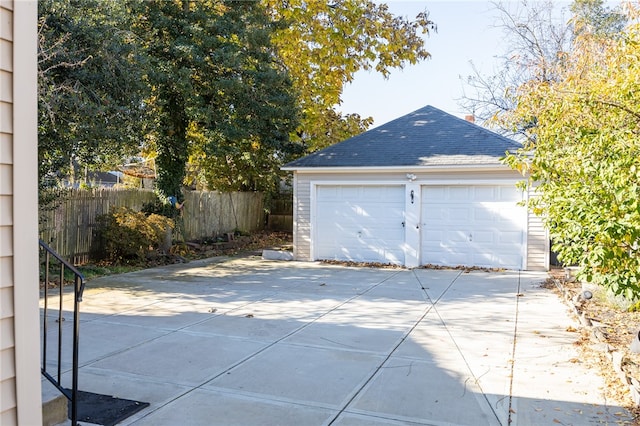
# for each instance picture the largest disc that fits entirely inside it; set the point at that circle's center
(537, 241)
(20, 399)
(8, 410)
(302, 218)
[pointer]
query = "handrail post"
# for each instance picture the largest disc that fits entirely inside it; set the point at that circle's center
(78, 289)
(76, 340)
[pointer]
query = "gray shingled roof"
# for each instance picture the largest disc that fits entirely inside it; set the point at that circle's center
(424, 137)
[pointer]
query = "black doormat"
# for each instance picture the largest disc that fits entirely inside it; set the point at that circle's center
(104, 409)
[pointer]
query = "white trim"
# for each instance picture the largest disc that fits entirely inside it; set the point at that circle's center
(413, 228)
(525, 238)
(419, 168)
(394, 182)
(25, 216)
(312, 220)
(435, 181)
(467, 182)
(295, 231)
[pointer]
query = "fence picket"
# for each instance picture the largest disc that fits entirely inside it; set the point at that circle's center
(68, 229)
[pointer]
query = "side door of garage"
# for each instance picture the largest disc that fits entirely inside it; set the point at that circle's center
(362, 223)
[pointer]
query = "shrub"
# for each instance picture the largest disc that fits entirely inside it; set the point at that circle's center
(161, 208)
(124, 235)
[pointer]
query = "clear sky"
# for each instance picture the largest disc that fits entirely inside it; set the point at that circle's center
(466, 32)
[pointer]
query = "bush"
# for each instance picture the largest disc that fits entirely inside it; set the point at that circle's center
(161, 208)
(124, 235)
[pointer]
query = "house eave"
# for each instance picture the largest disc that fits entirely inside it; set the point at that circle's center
(392, 169)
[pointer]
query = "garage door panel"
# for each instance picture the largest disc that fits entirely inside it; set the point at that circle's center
(435, 195)
(512, 238)
(456, 214)
(484, 215)
(484, 237)
(454, 237)
(360, 223)
(442, 257)
(479, 225)
(484, 193)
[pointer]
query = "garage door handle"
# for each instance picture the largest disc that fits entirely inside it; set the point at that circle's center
(403, 224)
(418, 226)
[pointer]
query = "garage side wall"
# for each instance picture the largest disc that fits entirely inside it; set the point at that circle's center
(537, 240)
(302, 217)
(537, 257)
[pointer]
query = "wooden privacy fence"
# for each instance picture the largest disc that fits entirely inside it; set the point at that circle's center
(69, 228)
(281, 214)
(207, 214)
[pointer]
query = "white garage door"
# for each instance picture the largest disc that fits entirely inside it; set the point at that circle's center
(473, 226)
(359, 223)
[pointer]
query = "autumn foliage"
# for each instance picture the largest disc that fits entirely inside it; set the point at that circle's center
(582, 154)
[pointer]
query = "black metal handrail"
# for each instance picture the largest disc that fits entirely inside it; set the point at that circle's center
(78, 289)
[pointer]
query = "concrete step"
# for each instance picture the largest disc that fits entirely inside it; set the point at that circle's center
(54, 405)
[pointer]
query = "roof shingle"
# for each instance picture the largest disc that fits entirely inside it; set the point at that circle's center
(424, 137)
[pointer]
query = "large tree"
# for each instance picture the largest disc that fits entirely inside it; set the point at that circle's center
(218, 89)
(324, 43)
(90, 86)
(582, 153)
(234, 88)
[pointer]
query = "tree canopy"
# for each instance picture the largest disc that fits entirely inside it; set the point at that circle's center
(323, 44)
(218, 92)
(582, 153)
(221, 92)
(90, 86)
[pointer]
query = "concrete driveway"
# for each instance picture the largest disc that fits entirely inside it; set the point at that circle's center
(252, 342)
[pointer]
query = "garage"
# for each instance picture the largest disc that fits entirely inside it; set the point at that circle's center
(479, 225)
(473, 225)
(427, 188)
(362, 223)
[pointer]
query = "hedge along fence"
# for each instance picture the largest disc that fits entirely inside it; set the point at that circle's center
(69, 228)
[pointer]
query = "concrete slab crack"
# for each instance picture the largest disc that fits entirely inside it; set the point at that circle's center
(511, 411)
